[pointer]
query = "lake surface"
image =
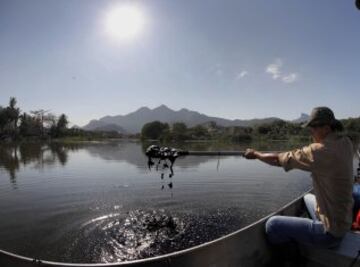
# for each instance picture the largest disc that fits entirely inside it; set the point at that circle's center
(99, 202)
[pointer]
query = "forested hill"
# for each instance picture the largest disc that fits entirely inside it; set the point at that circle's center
(133, 122)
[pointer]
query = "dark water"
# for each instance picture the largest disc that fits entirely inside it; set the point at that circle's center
(98, 202)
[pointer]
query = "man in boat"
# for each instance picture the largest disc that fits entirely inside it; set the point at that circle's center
(330, 161)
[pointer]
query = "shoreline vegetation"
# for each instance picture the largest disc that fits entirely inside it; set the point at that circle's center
(42, 125)
(277, 131)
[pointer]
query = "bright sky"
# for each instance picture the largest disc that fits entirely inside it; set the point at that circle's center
(232, 59)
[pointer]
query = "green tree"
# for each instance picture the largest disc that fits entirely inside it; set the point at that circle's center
(13, 113)
(352, 124)
(61, 125)
(29, 126)
(40, 115)
(179, 131)
(199, 132)
(62, 122)
(154, 130)
(263, 129)
(4, 119)
(9, 117)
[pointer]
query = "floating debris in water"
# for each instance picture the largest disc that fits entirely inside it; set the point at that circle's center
(162, 153)
(166, 158)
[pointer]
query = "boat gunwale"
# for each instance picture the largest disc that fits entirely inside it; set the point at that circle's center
(156, 258)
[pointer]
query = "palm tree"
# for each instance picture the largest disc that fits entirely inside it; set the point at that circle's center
(13, 113)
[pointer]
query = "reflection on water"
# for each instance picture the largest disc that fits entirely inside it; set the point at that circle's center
(99, 202)
(38, 155)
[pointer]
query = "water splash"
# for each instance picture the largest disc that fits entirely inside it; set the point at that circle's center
(122, 237)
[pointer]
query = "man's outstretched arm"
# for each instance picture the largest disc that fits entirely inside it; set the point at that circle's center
(269, 158)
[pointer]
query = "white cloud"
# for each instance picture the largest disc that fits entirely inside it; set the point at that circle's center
(242, 74)
(275, 70)
(292, 77)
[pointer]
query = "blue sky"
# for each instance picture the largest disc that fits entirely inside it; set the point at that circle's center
(232, 58)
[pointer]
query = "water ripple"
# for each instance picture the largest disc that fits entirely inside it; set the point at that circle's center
(115, 237)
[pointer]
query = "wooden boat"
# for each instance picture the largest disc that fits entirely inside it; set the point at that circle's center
(245, 247)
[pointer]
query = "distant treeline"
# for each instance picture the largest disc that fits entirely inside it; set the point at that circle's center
(40, 125)
(43, 125)
(276, 130)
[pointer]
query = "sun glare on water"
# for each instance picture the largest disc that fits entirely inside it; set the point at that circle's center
(124, 22)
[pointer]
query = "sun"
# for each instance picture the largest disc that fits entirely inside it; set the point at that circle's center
(124, 22)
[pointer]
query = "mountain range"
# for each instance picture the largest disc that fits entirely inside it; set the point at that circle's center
(134, 121)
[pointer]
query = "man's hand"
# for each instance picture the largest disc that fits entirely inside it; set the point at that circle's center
(250, 153)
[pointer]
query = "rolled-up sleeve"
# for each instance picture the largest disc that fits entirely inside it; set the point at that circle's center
(297, 159)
